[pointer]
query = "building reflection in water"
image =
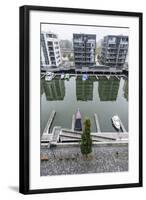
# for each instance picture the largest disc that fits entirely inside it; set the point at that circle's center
(125, 90)
(108, 89)
(54, 90)
(84, 89)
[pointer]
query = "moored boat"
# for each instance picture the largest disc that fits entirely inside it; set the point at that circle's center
(49, 76)
(116, 122)
(67, 76)
(78, 121)
(62, 76)
(84, 77)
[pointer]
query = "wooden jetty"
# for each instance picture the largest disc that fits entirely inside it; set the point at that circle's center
(67, 135)
(117, 77)
(54, 76)
(97, 77)
(63, 136)
(97, 122)
(52, 137)
(73, 122)
(55, 134)
(42, 75)
(50, 120)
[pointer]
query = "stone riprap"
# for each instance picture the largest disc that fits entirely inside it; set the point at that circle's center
(69, 160)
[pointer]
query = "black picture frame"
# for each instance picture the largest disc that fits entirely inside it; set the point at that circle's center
(25, 105)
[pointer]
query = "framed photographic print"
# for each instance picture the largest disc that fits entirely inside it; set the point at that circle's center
(80, 99)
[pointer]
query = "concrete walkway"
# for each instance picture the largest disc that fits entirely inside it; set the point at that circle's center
(70, 160)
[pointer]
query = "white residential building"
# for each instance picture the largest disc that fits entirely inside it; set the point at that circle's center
(50, 51)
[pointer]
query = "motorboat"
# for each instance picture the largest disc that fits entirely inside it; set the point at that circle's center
(49, 76)
(67, 76)
(78, 121)
(62, 76)
(108, 77)
(116, 122)
(84, 77)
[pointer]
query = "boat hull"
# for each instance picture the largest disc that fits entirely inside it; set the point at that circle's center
(116, 126)
(78, 125)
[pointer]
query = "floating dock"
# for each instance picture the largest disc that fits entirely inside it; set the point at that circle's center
(117, 77)
(51, 118)
(53, 76)
(97, 122)
(55, 134)
(97, 77)
(43, 75)
(73, 122)
(69, 136)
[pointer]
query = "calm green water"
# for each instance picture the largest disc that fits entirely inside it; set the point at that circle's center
(104, 97)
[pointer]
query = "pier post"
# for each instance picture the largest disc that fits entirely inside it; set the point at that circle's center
(48, 125)
(97, 122)
(73, 123)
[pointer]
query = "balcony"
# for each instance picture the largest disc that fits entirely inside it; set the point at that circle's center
(123, 42)
(121, 61)
(112, 42)
(111, 52)
(110, 62)
(77, 41)
(123, 46)
(111, 57)
(51, 49)
(111, 47)
(51, 54)
(121, 57)
(122, 52)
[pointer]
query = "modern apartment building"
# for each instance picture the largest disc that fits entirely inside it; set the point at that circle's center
(114, 50)
(50, 51)
(84, 49)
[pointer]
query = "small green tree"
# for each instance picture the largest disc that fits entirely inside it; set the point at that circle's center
(86, 141)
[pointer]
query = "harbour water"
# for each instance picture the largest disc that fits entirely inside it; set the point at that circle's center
(104, 97)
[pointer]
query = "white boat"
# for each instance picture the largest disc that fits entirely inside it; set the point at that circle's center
(108, 77)
(49, 76)
(84, 77)
(116, 122)
(67, 76)
(62, 76)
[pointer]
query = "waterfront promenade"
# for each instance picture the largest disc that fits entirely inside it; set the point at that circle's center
(69, 160)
